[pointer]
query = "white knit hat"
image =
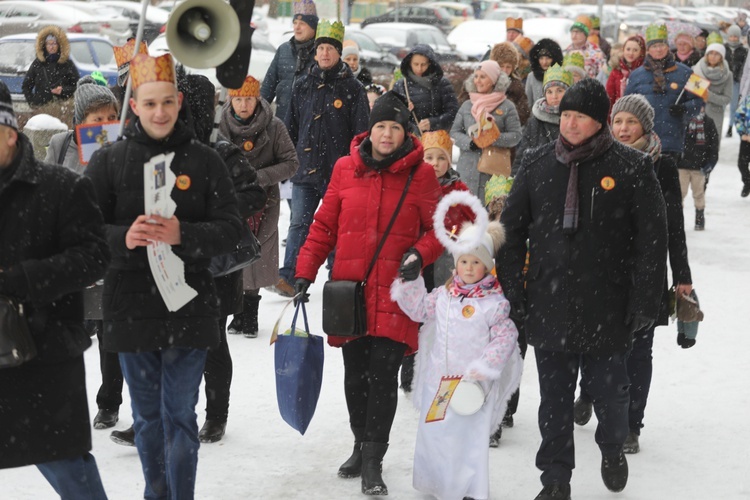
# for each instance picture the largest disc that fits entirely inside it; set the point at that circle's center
(489, 242)
(717, 47)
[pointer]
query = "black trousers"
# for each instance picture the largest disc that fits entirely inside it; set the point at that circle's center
(522, 346)
(109, 396)
(371, 384)
(743, 161)
(218, 374)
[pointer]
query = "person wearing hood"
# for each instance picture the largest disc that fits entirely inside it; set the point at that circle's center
(432, 100)
(633, 54)
(544, 125)
(542, 56)
(362, 196)
(293, 58)
(350, 55)
(714, 68)
(329, 107)
(52, 75)
(684, 50)
(736, 55)
(506, 55)
(593, 57)
(486, 89)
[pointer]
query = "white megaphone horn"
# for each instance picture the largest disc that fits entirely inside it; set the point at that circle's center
(203, 33)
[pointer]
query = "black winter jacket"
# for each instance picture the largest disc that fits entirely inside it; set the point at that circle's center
(438, 102)
(542, 128)
(701, 156)
(136, 318)
(286, 67)
(736, 60)
(44, 75)
(580, 288)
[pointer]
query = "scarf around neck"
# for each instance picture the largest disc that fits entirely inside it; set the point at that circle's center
(365, 152)
(485, 103)
(304, 55)
(482, 288)
(572, 156)
(423, 81)
(714, 73)
(696, 129)
(658, 67)
(649, 144)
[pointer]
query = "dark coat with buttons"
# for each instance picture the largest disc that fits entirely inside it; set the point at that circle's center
(328, 109)
(580, 288)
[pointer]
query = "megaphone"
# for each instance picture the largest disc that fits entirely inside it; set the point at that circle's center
(203, 33)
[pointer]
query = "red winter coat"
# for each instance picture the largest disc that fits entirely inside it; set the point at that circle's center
(356, 209)
(618, 79)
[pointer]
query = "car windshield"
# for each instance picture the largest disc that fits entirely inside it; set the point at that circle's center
(429, 37)
(79, 49)
(364, 42)
(15, 57)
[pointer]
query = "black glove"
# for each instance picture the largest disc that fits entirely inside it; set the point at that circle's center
(473, 146)
(410, 271)
(677, 110)
(638, 322)
(300, 290)
(517, 311)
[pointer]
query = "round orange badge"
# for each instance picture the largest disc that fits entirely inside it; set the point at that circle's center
(338, 103)
(248, 145)
(182, 182)
(468, 311)
(607, 183)
(674, 86)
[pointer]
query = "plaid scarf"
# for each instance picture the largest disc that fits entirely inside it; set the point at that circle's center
(572, 156)
(482, 288)
(649, 144)
(697, 131)
(658, 68)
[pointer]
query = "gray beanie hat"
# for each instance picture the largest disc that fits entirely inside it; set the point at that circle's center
(638, 106)
(734, 30)
(90, 96)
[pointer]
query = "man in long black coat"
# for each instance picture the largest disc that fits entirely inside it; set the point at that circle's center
(594, 217)
(51, 247)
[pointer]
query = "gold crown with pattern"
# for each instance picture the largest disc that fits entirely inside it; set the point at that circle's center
(304, 8)
(714, 37)
(124, 54)
(574, 59)
(557, 73)
(438, 139)
(250, 88)
(656, 32)
(147, 69)
(334, 30)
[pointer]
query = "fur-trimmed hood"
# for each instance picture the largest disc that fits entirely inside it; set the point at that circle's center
(62, 40)
(546, 45)
(543, 115)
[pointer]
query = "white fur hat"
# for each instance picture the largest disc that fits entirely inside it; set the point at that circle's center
(489, 242)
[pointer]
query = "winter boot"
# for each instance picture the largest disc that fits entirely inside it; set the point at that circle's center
(495, 437)
(745, 190)
(353, 465)
(125, 438)
(554, 492)
(235, 326)
(615, 471)
(105, 419)
(372, 467)
(582, 410)
(250, 316)
(729, 131)
(700, 220)
(631, 445)
(212, 431)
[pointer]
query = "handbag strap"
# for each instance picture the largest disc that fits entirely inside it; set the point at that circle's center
(300, 305)
(390, 223)
(64, 149)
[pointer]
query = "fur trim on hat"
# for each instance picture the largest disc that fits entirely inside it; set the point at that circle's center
(502, 84)
(504, 53)
(62, 42)
(448, 240)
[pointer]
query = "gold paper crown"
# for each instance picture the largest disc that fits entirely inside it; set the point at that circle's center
(334, 30)
(656, 32)
(574, 59)
(557, 73)
(714, 38)
(305, 8)
(514, 24)
(147, 69)
(124, 54)
(596, 23)
(525, 44)
(498, 185)
(250, 88)
(438, 139)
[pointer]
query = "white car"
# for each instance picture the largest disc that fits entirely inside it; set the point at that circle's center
(474, 38)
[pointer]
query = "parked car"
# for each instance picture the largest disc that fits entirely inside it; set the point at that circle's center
(156, 18)
(260, 58)
(610, 23)
(556, 28)
(662, 10)
(503, 13)
(459, 12)
(113, 25)
(636, 22)
(88, 52)
(474, 38)
(376, 58)
(400, 39)
(21, 16)
(418, 13)
(259, 20)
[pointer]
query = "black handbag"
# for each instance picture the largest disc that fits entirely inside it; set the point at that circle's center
(344, 311)
(247, 252)
(16, 344)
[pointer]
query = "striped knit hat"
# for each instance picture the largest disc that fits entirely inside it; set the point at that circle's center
(7, 116)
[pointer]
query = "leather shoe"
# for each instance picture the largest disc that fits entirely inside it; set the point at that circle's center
(283, 288)
(212, 431)
(615, 472)
(125, 438)
(105, 419)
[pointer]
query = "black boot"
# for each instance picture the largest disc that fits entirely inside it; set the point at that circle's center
(615, 472)
(554, 492)
(745, 190)
(495, 437)
(212, 431)
(582, 410)
(700, 220)
(372, 463)
(250, 316)
(125, 438)
(729, 131)
(353, 465)
(631, 445)
(235, 326)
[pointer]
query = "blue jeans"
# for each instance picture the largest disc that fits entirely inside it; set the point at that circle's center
(74, 478)
(163, 392)
(733, 104)
(305, 200)
(605, 380)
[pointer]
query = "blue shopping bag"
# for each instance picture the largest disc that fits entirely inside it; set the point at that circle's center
(299, 373)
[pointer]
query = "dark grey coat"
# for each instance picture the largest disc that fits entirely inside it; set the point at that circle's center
(282, 73)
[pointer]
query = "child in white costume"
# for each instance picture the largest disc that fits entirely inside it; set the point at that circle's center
(466, 332)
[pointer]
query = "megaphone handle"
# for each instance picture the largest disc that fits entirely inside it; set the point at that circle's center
(129, 86)
(217, 114)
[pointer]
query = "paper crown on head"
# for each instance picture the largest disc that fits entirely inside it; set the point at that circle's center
(147, 69)
(596, 23)
(574, 59)
(438, 139)
(524, 45)
(304, 8)
(582, 22)
(250, 88)
(656, 32)
(557, 73)
(124, 54)
(498, 185)
(333, 30)
(714, 37)
(514, 24)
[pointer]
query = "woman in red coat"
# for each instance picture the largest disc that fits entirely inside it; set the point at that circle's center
(364, 190)
(633, 53)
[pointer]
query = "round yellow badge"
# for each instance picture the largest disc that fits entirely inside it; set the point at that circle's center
(248, 145)
(468, 311)
(182, 182)
(674, 86)
(338, 103)
(607, 183)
